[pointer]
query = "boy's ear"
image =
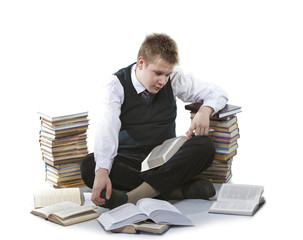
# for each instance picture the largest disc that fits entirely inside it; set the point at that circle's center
(140, 62)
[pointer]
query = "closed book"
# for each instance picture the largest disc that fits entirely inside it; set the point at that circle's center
(145, 227)
(223, 124)
(226, 111)
(227, 150)
(224, 157)
(225, 134)
(56, 116)
(225, 129)
(225, 139)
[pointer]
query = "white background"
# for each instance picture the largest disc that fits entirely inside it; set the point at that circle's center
(54, 55)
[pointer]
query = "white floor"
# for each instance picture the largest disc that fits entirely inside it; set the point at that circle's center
(267, 222)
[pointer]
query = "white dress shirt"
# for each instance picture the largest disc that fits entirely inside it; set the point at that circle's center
(184, 86)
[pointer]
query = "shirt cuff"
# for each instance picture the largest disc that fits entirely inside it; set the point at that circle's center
(103, 164)
(211, 104)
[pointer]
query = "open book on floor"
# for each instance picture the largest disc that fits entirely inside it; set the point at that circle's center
(66, 213)
(46, 197)
(238, 199)
(159, 211)
(162, 153)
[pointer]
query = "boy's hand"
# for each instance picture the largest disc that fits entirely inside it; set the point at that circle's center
(101, 182)
(200, 123)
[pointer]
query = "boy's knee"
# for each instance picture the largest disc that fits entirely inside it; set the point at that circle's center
(87, 169)
(203, 143)
(204, 148)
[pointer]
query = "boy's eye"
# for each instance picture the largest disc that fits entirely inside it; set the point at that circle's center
(161, 73)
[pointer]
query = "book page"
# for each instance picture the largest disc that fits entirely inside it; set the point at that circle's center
(162, 149)
(148, 205)
(239, 192)
(122, 213)
(55, 208)
(77, 218)
(48, 197)
(73, 210)
(121, 216)
(162, 212)
(162, 153)
(233, 207)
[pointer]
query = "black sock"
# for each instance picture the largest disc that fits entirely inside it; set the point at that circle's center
(198, 189)
(117, 199)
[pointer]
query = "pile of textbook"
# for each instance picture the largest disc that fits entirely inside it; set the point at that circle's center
(63, 145)
(224, 131)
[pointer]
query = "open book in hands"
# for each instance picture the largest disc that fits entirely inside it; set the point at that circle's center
(238, 199)
(159, 211)
(162, 153)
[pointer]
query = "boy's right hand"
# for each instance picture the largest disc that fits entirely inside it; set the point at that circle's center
(101, 182)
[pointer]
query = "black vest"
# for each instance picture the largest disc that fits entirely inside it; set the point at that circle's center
(145, 122)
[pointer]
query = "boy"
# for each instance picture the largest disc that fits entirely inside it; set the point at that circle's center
(139, 111)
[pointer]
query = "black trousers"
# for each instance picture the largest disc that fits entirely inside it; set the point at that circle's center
(193, 157)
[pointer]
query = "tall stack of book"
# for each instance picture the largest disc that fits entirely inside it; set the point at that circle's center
(63, 144)
(224, 131)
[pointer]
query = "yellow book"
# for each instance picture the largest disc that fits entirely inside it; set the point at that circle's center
(66, 213)
(46, 197)
(145, 227)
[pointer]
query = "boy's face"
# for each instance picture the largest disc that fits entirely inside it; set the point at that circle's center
(155, 75)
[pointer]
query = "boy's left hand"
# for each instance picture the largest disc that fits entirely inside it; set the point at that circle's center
(200, 123)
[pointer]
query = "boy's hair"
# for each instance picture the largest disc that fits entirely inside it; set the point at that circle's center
(159, 45)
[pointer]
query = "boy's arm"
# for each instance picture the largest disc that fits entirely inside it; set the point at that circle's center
(191, 89)
(106, 139)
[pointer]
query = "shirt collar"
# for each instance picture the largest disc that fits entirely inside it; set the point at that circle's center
(137, 85)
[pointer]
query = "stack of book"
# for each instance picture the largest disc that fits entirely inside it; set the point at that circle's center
(224, 131)
(63, 145)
